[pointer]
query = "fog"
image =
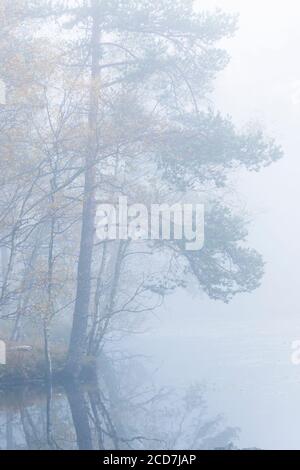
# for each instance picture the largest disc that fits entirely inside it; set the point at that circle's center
(245, 347)
(238, 355)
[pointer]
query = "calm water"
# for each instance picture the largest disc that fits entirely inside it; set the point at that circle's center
(125, 410)
(250, 380)
(192, 393)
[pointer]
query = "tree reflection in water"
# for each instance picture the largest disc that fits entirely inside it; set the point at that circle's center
(123, 410)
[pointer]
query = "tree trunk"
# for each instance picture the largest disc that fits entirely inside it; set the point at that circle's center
(78, 339)
(80, 415)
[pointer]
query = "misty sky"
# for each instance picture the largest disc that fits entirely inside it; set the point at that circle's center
(243, 349)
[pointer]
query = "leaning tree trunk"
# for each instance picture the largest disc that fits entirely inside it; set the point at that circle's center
(78, 339)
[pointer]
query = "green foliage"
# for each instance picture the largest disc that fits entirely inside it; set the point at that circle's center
(205, 147)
